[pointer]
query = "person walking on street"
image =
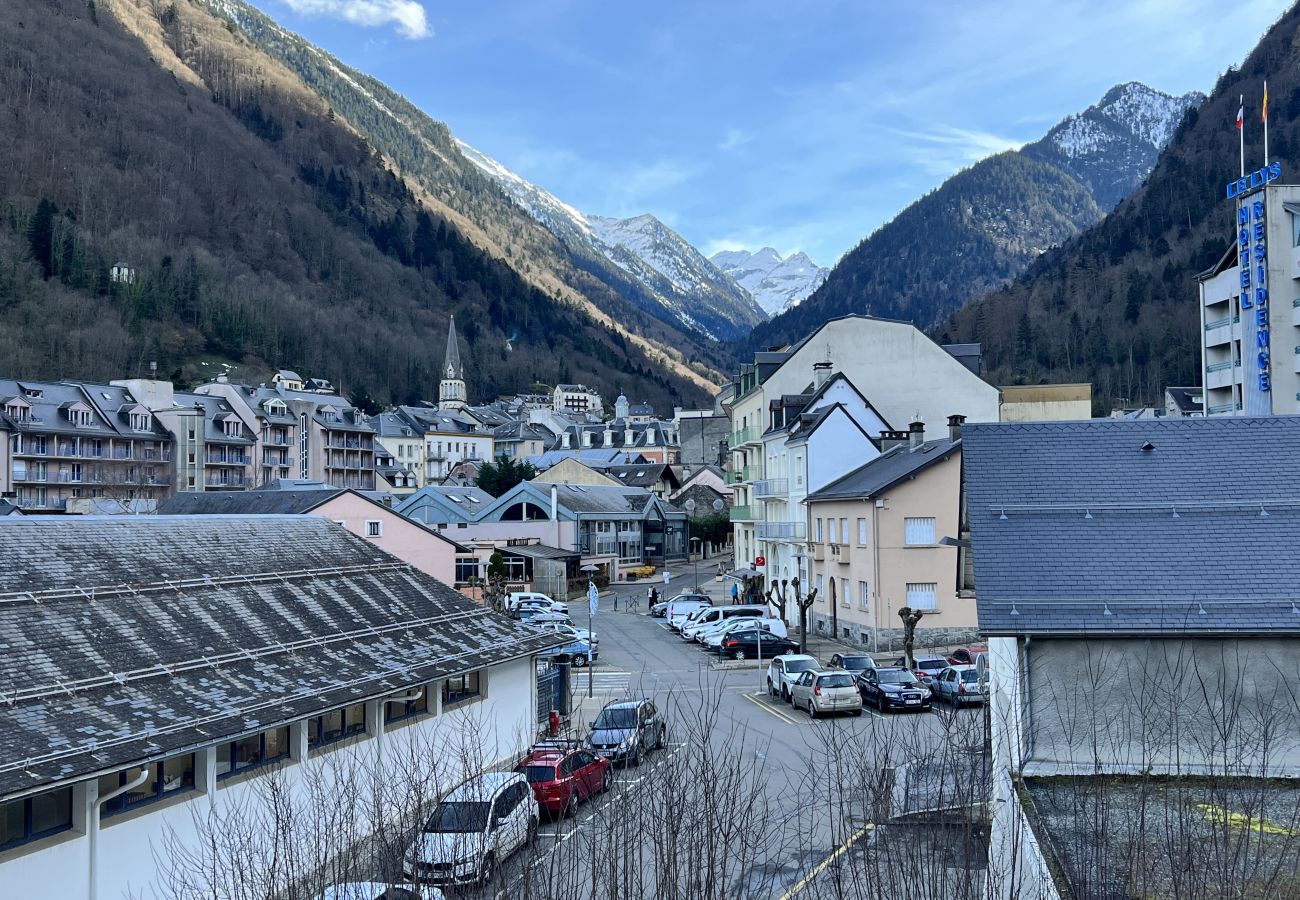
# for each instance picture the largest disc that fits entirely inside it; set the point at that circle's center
(735, 594)
(652, 597)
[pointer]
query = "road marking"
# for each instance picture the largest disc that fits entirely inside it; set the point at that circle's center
(821, 866)
(769, 708)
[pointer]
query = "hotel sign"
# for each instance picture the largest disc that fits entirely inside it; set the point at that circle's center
(1254, 181)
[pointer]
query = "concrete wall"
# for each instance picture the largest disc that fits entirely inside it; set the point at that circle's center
(1188, 705)
(496, 730)
(400, 536)
(1046, 402)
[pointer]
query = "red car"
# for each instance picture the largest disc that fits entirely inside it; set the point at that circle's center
(967, 655)
(563, 774)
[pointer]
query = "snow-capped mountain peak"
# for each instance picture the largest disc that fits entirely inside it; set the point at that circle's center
(776, 283)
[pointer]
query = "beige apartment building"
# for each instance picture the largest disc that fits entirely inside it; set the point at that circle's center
(885, 537)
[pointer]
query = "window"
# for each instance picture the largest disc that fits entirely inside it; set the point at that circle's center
(461, 689)
(374, 528)
(864, 595)
(466, 568)
(172, 776)
(35, 817)
(862, 532)
(821, 587)
(817, 531)
(336, 725)
(845, 598)
(251, 752)
(1295, 230)
(918, 532)
(844, 531)
(921, 596)
(400, 707)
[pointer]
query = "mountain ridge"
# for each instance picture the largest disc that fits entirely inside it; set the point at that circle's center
(776, 283)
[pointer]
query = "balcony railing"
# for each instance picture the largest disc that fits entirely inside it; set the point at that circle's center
(747, 435)
(744, 474)
(771, 488)
(1223, 408)
(226, 459)
(1220, 366)
(742, 513)
(226, 482)
(780, 531)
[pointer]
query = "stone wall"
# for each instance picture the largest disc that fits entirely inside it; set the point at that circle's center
(884, 640)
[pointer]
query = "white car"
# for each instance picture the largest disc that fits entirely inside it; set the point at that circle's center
(474, 829)
(544, 605)
(681, 611)
(578, 634)
(375, 890)
(713, 638)
(514, 598)
(719, 614)
(785, 669)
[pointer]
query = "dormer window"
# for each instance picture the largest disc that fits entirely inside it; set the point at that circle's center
(19, 412)
(139, 422)
(276, 407)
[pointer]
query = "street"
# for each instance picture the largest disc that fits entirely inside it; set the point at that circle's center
(771, 803)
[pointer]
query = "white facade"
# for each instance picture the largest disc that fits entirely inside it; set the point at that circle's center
(1250, 350)
(119, 858)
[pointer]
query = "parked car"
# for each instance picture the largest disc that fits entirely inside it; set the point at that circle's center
(716, 615)
(562, 774)
(514, 598)
(967, 656)
(557, 627)
(545, 604)
(892, 687)
(825, 692)
(856, 663)
(540, 617)
(927, 665)
(375, 890)
(755, 643)
(958, 685)
(712, 638)
(682, 606)
(577, 650)
(660, 609)
(784, 669)
(626, 730)
(473, 829)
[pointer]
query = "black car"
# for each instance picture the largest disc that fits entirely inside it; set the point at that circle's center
(743, 643)
(857, 663)
(892, 688)
(625, 730)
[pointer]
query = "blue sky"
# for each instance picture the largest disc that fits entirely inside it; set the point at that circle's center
(798, 125)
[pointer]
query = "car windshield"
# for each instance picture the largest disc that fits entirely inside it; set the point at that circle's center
(800, 665)
(898, 676)
(622, 717)
(970, 675)
(830, 681)
(535, 774)
(932, 665)
(856, 662)
(458, 817)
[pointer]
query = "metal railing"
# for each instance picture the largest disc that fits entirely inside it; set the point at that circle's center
(781, 531)
(747, 435)
(771, 487)
(742, 513)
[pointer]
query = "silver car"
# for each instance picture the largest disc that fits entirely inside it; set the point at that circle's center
(821, 692)
(958, 685)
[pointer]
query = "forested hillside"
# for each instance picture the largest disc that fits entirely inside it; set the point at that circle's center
(965, 238)
(1117, 305)
(261, 229)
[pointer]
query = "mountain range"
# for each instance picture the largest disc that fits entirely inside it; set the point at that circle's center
(988, 223)
(1117, 305)
(775, 283)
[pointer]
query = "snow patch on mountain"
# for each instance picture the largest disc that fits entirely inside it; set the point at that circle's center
(1132, 112)
(776, 283)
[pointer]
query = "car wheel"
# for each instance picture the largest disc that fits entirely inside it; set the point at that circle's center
(487, 870)
(785, 695)
(880, 703)
(738, 654)
(812, 710)
(857, 712)
(608, 783)
(571, 806)
(771, 689)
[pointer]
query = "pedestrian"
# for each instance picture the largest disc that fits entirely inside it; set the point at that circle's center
(735, 594)
(652, 598)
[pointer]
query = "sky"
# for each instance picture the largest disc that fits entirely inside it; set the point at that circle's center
(800, 125)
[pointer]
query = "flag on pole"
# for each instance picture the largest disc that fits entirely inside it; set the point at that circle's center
(1263, 110)
(1241, 115)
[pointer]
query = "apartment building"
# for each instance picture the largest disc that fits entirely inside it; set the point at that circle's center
(73, 440)
(448, 440)
(886, 536)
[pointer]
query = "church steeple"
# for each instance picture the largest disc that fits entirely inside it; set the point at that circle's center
(451, 390)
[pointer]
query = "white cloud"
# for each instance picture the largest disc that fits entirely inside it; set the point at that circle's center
(407, 15)
(734, 138)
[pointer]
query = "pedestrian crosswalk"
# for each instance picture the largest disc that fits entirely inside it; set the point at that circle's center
(604, 682)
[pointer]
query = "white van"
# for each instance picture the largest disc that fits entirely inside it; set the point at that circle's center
(682, 606)
(513, 599)
(717, 615)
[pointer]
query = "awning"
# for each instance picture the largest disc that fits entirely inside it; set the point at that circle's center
(538, 551)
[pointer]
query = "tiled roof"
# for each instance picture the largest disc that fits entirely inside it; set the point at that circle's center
(152, 635)
(240, 503)
(1115, 526)
(886, 470)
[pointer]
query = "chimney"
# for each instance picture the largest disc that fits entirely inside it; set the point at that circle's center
(916, 434)
(821, 372)
(555, 503)
(891, 439)
(954, 427)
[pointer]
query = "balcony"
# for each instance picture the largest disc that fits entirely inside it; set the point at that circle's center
(747, 435)
(1221, 331)
(781, 531)
(224, 459)
(742, 514)
(1223, 408)
(216, 481)
(1295, 311)
(772, 488)
(1222, 374)
(276, 441)
(819, 552)
(744, 474)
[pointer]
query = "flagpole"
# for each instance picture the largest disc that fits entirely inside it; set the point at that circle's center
(1264, 112)
(1241, 136)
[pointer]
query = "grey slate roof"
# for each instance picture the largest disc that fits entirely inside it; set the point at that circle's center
(1195, 535)
(886, 470)
(243, 503)
(1189, 400)
(153, 635)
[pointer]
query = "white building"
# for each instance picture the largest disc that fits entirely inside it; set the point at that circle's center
(1250, 314)
(574, 399)
(161, 671)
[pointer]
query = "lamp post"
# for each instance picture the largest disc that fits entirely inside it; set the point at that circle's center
(593, 600)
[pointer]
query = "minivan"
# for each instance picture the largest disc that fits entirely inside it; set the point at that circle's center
(717, 615)
(682, 606)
